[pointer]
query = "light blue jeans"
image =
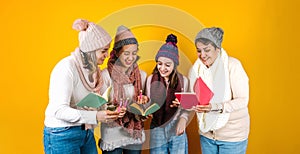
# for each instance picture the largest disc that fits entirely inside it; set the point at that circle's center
(163, 140)
(69, 140)
(209, 146)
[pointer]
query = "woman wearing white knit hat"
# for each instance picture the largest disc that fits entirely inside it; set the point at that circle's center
(224, 123)
(67, 128)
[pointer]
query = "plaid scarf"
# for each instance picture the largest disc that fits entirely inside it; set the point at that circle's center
(129, 122)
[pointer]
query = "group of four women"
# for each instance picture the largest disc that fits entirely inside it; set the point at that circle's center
(223, 124)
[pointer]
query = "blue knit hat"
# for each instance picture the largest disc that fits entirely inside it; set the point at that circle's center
(169, 49)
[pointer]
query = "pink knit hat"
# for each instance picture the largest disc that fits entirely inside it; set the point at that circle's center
(124, 37)
(91, 36)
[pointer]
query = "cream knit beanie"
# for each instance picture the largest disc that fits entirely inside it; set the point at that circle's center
(91, 36)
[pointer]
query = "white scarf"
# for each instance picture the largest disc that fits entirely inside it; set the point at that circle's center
(216, 78)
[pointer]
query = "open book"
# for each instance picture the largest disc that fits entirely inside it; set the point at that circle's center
(94, 100)
(137, 109)
(201, 96)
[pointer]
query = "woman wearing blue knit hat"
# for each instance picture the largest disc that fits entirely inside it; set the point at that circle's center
(169, 122)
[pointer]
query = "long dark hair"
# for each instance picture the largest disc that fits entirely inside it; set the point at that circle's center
(173, 77)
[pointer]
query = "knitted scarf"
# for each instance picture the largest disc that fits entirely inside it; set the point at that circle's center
(129, 122)
(83, 74)
(163, 94)
(216, 78)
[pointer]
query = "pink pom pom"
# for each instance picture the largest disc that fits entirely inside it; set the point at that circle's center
(80, 25)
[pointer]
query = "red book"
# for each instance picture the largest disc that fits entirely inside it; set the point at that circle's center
(201, 96)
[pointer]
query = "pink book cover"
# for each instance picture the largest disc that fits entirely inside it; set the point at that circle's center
(204, 94)
(201, 96)
(187, 99)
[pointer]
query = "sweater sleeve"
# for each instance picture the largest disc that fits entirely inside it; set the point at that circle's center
(60, 93)
(239, 86)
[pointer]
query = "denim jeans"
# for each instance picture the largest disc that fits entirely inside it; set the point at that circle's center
(163, 140)
(69, 140)
(209, 146)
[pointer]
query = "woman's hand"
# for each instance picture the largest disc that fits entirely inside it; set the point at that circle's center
(121, 111)
(202, 108)
(175, 103)
(181, 126)
(142, 99)
(107, 116)
(144, 118)
(89, 108)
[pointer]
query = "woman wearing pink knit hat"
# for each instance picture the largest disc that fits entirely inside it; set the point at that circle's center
(67, 128)
(125, 135)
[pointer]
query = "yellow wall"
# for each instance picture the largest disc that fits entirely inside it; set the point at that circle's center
(263, 34)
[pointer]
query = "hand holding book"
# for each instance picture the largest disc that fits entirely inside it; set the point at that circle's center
(94, 100)
(201, 96)
(142, 99)
(107, 116)
(141, 109)
(175, 103)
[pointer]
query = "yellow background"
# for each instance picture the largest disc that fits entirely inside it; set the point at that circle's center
(263, 34)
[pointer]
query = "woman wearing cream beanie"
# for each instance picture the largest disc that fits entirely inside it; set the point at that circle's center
(67, 128)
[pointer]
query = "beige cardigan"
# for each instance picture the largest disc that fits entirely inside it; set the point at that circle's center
(237, 127)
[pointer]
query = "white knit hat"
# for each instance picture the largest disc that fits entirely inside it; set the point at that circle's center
(91, 36)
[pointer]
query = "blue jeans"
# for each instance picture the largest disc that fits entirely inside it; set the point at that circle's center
(69, 140)
(209, 146)
(163, 140)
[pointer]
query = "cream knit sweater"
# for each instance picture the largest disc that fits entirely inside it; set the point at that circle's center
(237, 127)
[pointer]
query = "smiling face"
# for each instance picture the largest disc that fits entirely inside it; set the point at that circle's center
(165, 66)
(128, 55)
(101, 54)
(207, 53)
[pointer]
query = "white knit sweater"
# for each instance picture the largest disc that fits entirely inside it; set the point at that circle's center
(237, 127)
(65, 90)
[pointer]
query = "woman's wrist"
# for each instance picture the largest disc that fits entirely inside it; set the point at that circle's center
(217, 107)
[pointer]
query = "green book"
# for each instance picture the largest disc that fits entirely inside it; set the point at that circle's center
(94, 100)
(137, 109)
